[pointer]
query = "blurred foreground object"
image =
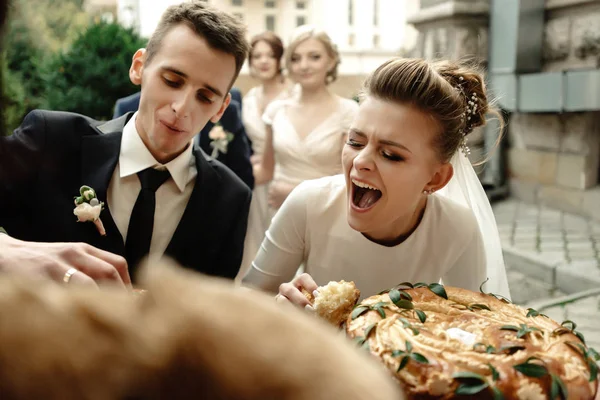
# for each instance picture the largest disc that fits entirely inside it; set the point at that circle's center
(188, 336)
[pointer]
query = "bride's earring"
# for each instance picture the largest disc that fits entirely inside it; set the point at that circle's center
(428, 192)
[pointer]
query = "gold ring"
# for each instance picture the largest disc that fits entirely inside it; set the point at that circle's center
(69, 274)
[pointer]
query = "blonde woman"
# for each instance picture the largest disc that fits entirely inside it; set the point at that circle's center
(408, 207)
(305, 133)
(264, 59)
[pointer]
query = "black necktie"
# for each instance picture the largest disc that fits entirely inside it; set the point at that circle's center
(139, 233)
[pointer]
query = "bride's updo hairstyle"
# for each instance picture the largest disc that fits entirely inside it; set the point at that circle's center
(454, 95)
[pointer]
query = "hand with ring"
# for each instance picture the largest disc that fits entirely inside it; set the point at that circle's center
(290, 292)
(67, 263)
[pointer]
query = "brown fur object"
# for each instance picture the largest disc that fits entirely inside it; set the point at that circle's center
(188, 336)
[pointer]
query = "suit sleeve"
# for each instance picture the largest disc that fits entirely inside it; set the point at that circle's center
(232, 250)
(238, 153)
(21, 156)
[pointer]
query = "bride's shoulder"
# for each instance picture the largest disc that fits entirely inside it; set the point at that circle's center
(449, 215)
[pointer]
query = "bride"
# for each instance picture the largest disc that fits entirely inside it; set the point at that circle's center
(409, 206)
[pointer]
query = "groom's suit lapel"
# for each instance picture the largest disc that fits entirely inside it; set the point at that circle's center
(99, 157)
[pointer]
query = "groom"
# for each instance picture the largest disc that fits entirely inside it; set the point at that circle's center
(162, 195)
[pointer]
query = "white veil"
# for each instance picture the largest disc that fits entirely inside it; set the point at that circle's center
(465, 188)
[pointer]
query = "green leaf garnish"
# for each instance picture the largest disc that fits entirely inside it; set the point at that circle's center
(530, 369)
(420, 284)
(421, 315)
(489, 349)
(369, 329)
(512, 349)
(571, 323)
(558, 388)
(405, 304)
(471, 383)
(419, 358)
(473, 307)
(358, 311)
(438, 290)
(498, 395)
(403, 363)
(509, 328)
(495, 374)
(407, 284)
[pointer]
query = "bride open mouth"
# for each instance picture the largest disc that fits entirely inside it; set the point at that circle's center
(364, 195)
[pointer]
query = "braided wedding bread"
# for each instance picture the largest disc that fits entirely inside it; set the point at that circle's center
(446, 343)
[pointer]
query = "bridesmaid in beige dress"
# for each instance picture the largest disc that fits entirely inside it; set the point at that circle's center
(266, 51)
(305, 133)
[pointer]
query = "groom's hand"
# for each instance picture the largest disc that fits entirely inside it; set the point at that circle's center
(291, 291)
(53, 260)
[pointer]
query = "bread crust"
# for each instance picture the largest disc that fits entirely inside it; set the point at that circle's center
(466, 348)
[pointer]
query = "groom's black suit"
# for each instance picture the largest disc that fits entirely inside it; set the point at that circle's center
(52, 154)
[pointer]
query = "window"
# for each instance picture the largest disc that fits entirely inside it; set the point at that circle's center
(270, 23)
(375, 12)
(376, 40)
(300, 4)
(350, 12)
(270, 4)
(236, 2)
(300, 20)
(351, 39)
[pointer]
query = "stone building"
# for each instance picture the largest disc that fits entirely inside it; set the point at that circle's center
(543, 61)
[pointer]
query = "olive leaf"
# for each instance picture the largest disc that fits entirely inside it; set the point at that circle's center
(531, 313)
(489, 349)
(593, 370)
(407, 284)
(593, 354)
(531, 369)
(438, 290)
(420, 284)
(558, 388)
(511, 349)
(495, 374)
(470, 383)
(383, 292)
(421, 315)
(370, 329)
(408, 355)
(473, 307)
(360, 340)
(498, 395)
(497, 296)
(358, 311)
(521, 331)
(397, 295)
(407, 325)
(401, 299)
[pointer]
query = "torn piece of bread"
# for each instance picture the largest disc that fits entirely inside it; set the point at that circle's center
(334, 301)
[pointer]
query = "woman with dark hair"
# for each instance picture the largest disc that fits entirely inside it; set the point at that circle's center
(266, 51)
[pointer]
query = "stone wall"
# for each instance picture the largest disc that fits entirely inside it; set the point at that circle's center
(457, 30)
(554, 158)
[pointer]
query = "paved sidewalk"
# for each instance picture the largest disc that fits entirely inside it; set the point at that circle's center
(553, 262)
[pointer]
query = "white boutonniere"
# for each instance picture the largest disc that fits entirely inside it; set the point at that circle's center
(220, 139)
(88, 208)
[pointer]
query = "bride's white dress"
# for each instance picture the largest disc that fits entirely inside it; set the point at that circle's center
(311, 227)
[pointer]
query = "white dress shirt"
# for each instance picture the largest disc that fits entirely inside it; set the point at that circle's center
(171, 198)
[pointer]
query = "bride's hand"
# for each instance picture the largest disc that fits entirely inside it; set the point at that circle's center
(290, 291)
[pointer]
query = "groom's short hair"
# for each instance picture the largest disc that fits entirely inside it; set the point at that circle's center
(221, 30)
